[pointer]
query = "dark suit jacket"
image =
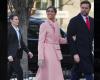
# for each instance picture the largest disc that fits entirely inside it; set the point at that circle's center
(13, 44)
(83, 43)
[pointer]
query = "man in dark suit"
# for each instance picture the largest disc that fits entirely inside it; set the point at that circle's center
(15, 48)
(80, 37)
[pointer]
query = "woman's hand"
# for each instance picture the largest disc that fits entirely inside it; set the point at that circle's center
(41, 63)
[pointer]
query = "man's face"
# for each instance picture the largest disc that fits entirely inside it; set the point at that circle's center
(15, 21)
(85, 9)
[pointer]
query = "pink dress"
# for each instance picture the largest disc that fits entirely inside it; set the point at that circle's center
(49, 50)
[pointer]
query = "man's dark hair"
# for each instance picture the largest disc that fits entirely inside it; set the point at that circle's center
(86, 2)
(55, 10)
(12, 16)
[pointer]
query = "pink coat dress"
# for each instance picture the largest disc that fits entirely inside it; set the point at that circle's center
(49, 50)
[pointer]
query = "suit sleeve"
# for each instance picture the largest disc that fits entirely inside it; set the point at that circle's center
(11, 49)
(71, 31)
(42, 35)
(8, 41)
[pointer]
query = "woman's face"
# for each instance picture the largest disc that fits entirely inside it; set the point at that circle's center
(51, 13)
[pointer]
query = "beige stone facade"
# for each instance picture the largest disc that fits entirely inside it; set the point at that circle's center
(72, 7)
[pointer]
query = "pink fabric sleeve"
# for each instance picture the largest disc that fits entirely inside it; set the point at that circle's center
(42, 35)
(63, 40)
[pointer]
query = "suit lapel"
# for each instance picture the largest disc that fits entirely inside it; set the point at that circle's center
(14, 33)
(20, 35)
(91, 25)
(83, 22)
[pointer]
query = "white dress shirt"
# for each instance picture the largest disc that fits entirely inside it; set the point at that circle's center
(84, 18)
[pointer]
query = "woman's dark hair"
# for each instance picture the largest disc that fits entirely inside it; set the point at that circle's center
(55, 10)
(86, 2)
(12, 16)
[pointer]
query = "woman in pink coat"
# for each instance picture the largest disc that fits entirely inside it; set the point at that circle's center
(49, 53)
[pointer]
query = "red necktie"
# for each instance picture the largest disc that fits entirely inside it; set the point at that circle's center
(88, 23)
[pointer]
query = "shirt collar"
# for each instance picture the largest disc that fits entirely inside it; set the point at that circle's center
(84, 17)
(16, 28)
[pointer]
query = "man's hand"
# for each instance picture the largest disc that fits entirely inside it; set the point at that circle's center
(76, 58)
(41, 63)
(74, 37)
(10, 58)
(30, 54)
